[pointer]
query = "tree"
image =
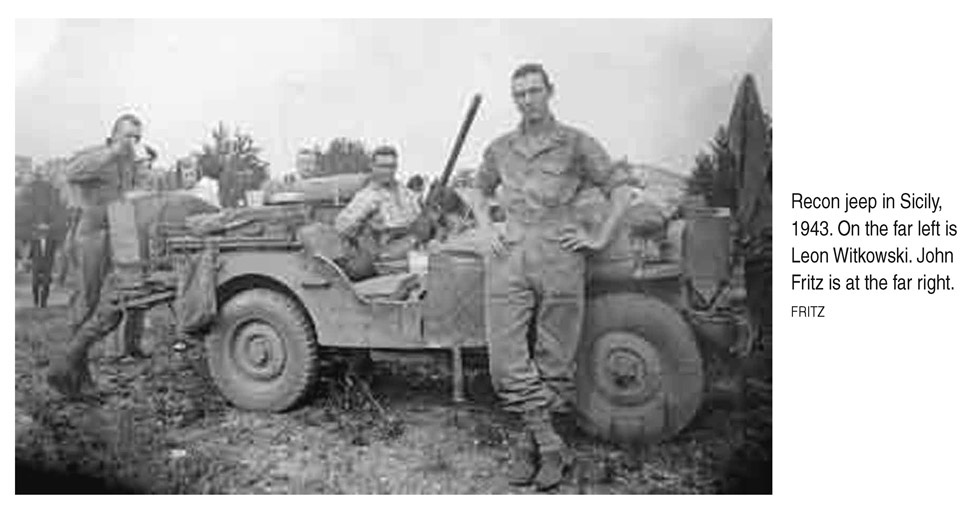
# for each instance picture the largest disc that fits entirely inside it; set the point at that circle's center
(235, 162)
(724, 185)
(714, 174)
(344, 156)
(702, 177)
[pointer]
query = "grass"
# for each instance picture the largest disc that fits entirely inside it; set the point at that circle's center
(161, 427)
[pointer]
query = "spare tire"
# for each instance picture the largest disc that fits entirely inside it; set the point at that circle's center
(262, 352)
(639, 373)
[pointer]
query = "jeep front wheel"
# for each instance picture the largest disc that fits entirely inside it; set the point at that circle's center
(262, 352)
(639, 374)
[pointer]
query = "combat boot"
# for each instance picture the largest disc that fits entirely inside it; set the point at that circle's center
(71, 378)
(69, 374)
(554, 457)
(523, 458)
(553, 464)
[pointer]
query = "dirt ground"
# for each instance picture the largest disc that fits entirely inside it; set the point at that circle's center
(159, 426)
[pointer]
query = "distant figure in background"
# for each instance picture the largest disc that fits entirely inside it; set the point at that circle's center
(23, 219)
(144, 180)
(41, 217)
(42, 248)
(306, 163)
(188, 172)
(416, 185)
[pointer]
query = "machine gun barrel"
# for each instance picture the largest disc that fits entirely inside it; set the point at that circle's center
(458, 143)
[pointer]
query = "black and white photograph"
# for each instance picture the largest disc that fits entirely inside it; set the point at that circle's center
(393, 256)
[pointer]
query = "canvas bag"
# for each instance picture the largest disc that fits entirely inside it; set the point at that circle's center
(196, 294)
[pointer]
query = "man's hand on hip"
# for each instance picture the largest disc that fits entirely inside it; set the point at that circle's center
(575, 238)
(493, 237)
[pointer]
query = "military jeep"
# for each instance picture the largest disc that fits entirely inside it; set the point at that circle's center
(279, 298)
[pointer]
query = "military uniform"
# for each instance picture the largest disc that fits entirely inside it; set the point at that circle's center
(97, 179)
(542, 177)
(381, 207)
(377, 221)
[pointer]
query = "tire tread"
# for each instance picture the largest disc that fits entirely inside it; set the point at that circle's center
(294, 391)
(653, 421)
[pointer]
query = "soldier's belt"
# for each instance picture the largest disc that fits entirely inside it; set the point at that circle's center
(540, 216)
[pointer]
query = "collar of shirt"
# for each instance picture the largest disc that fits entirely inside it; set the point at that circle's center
(394, 190)
(549, 135)
(547, 125)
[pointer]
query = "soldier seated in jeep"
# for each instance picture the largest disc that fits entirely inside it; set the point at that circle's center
(380, 220)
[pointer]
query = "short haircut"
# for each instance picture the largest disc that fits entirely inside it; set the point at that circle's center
(416, 183)
(532, 68)
(125, 118)
(384, 151)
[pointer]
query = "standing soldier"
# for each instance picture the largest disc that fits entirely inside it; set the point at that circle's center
(98, 177)
(539, 266)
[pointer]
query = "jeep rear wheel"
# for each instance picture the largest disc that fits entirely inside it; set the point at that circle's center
(639, 373)
(262, 352)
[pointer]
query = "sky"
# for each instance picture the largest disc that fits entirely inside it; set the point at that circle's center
(653, 91)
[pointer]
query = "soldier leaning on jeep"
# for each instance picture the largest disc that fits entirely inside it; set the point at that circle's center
(542, 165)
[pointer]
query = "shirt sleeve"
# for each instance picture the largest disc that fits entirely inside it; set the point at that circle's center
(89, 166)
(488, 177)
(597, 167)
(359, 209)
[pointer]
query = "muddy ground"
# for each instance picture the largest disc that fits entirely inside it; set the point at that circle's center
(159, 426)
